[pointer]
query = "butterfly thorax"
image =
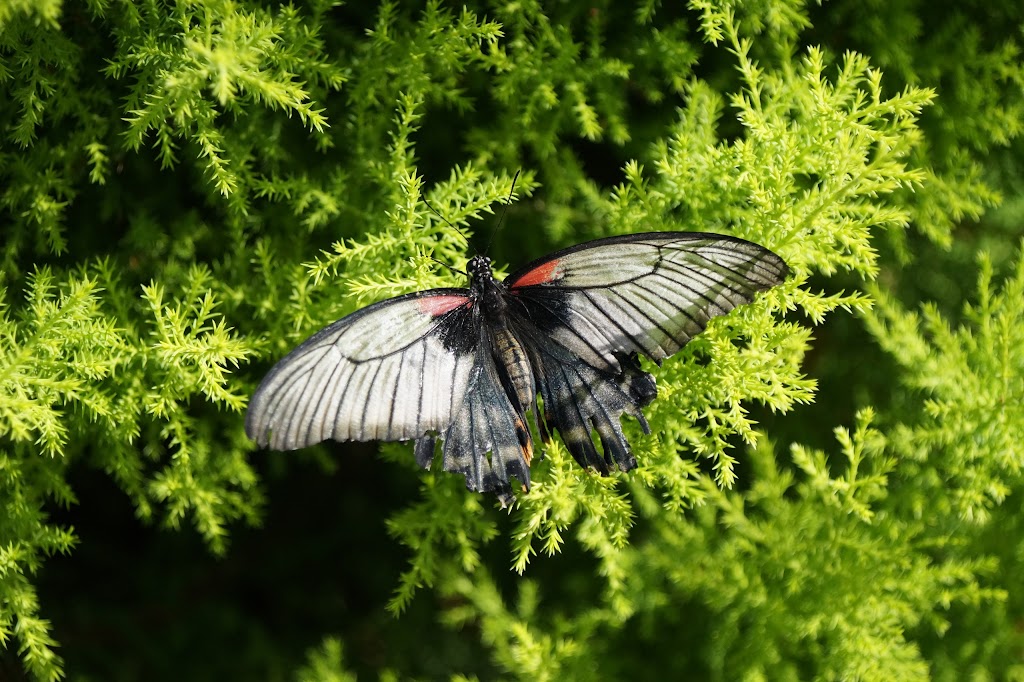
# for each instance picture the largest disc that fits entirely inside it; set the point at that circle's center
(487, 293)
(482, 284)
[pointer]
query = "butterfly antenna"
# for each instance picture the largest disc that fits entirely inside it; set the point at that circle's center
(453, 269)
(501, 218)
(454, 227)
(438, 214)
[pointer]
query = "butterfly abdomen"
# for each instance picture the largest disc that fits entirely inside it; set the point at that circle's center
(515, 368)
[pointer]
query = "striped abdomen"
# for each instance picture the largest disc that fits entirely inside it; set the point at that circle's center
(517, 372)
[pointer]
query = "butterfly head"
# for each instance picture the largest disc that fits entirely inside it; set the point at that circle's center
(479, 269)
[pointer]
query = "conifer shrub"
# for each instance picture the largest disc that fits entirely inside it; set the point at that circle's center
(832, 487)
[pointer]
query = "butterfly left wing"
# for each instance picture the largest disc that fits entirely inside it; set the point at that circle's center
(412, 367)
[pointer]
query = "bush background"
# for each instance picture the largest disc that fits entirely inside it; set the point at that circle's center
(833, 486)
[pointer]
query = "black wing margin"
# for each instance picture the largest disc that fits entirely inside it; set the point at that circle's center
(395, 370)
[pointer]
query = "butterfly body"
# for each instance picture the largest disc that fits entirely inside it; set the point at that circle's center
(467, 366)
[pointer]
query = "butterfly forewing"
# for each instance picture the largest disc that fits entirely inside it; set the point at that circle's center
(647, 294)
(392, 371)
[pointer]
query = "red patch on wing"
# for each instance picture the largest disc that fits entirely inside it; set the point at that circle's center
(439, 305)
(542, 274)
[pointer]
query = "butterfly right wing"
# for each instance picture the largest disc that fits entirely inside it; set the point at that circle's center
(395, 370)
(589, 311)
(645, 294)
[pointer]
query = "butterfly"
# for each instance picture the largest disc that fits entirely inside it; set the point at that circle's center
(467, 366)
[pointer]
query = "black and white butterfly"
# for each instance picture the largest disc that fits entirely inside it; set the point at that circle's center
(467, 366)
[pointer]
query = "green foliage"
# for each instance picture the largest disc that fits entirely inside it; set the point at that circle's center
(443, 531)
(982, 107)
(325, 664)
(189, 189)
(961, 447)
(77, 385)
(967, 439)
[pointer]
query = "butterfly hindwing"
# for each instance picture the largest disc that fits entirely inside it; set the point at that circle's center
(647, 294)
(488, 440)
(579, 398)
(392, 371)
